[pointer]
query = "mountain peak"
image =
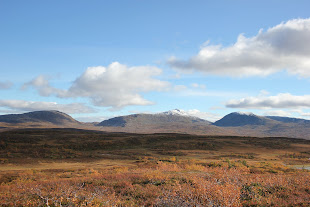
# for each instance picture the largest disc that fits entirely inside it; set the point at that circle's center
(175, 116)
(240, 119)
(178, 112)
(244, 113)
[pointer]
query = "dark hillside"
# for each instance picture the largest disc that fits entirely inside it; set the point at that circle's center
(53, 117)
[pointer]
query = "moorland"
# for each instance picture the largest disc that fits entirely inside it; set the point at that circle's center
(75, 167)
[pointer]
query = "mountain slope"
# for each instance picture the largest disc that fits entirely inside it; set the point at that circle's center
(169, 117)
(288, 119)
(39, 117)
(249, 124)
(236, 119)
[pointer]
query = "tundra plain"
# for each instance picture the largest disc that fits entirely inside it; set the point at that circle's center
(72, 167)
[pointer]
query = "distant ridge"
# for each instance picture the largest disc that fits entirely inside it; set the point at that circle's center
(174, 116)
(288, 119)
(51, 117)
(241, 119)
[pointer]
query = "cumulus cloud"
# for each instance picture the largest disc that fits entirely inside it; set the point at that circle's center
(283, 47)
(41, 83)
(117, 85)
(5, 85)
(21, 105)
(282, 100)
(113, 86)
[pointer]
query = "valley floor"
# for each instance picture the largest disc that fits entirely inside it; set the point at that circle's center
(66, 167)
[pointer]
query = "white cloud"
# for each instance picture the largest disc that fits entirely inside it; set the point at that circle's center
(203, 115)
(179, 88)
(302, 113)
(263, 93)
(282, 100)
(21, 105)
(277, 113)
(283, 47)
(196, 85)
(41, 83)
(92, 118)
(5, 85)
(305, 114)
(113, 86)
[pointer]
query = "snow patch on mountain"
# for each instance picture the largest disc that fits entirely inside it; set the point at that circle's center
(178, 112)
(244, 113)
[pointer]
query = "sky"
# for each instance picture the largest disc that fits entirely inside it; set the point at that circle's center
(99, 59)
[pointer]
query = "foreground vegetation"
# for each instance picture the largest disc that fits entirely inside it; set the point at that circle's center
(86, 168)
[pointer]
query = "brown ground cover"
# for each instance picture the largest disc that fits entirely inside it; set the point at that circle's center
(67, 167)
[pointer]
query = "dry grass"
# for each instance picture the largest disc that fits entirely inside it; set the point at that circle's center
(75, 168)
(172, 183)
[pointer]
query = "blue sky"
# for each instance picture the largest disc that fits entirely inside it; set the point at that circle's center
(99, 59)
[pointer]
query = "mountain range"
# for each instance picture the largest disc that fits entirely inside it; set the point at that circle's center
(174, 121)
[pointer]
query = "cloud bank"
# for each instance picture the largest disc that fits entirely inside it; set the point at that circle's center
(282, 100)
(21, 105)
(283, 47)
(113, 86)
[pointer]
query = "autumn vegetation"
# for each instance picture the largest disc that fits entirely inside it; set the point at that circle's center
(67, 167)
